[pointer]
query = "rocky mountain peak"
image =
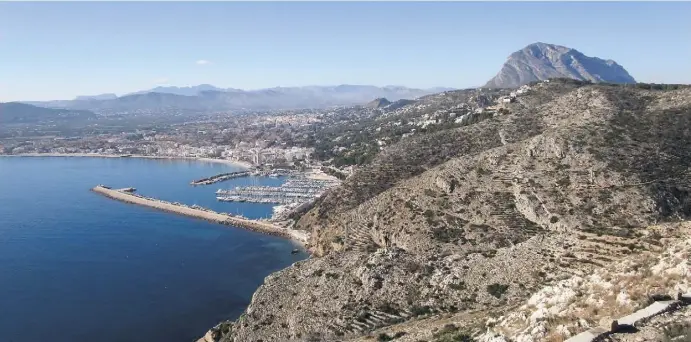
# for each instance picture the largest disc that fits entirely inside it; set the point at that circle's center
(541, 61)
(378, 103)
(540, 49)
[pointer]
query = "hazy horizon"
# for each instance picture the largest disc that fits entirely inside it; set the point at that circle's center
(132, 92)
(57, 51)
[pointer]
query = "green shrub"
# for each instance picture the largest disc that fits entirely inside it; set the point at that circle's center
(497, 290)
(451, 333)
(460, 286)
(430, 193)
(420, 310)
(383, 337)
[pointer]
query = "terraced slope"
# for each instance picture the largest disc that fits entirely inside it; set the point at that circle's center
(590, 301)
(564, 181)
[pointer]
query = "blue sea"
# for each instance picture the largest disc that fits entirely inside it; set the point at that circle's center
(76, 266)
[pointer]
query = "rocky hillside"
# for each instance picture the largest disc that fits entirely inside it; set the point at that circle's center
(560, 180)
(542, 61)
(569, 305)
(574, 304)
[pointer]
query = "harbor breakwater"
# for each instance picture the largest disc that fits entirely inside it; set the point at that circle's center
(220, 177)
(202, 213)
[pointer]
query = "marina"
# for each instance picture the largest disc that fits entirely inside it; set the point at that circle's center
(253, 199)
(294, 191)
(273, 173)
(272, 189)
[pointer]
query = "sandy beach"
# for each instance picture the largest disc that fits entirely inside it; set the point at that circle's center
(235, 163)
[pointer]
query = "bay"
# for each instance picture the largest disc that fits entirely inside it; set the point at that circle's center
(76, 266)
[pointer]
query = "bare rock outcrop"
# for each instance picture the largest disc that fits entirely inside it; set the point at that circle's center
(541, 61)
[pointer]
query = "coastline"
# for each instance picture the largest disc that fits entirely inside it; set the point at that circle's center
(236, 163)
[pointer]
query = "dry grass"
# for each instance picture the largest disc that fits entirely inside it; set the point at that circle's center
(554, 337)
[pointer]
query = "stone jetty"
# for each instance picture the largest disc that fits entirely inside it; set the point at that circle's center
(220, 177)
(202, 213)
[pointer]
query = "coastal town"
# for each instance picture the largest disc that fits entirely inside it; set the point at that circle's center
(255, 140)
(338, 138)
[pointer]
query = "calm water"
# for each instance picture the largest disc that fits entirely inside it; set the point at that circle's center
(75, 266)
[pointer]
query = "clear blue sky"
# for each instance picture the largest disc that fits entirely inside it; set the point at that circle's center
(60, 50)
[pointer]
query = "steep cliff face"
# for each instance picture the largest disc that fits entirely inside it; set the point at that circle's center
(565, 180)
(542, 61)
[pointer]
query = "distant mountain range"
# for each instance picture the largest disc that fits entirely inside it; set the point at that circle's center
(541, 61)
(15, 112)
(210, 98)
(184, 91)
(538, 61)
(109, 96)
